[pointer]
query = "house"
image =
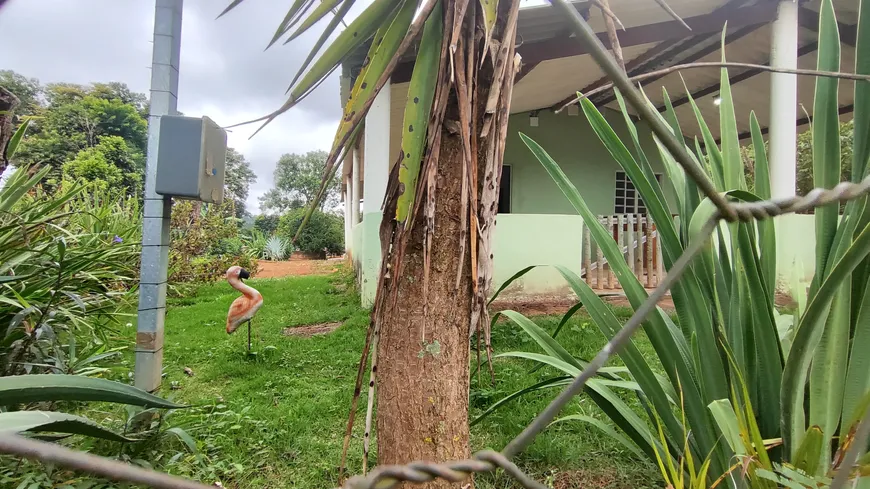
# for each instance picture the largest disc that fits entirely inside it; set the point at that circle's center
(536, 225)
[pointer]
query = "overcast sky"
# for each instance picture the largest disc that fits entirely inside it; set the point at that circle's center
(224, 74)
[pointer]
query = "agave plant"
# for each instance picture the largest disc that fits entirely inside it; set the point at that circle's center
(24, 390)
(726, 331)
(276, 248)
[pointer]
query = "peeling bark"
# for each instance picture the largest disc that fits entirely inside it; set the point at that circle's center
(423, 312)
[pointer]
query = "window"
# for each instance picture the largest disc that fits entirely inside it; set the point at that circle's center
(626, 199)
(504, 191)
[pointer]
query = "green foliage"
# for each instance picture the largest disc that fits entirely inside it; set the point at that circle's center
(71, 119)
(805, 157)
(65, 268)
(255, 240)
(239, 178)
(267, 223)
(323, 234)
(28, 91)
(63, 276)
(109, 164)
(205, 242)
(277, 248)
(297, 182)
(736, 381)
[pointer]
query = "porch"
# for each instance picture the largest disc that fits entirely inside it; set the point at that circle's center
(536, 225)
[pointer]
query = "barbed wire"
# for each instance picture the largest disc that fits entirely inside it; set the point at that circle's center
(388, 476)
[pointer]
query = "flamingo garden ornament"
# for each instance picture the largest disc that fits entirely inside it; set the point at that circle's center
(245, 307)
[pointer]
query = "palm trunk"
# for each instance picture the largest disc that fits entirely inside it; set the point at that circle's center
(422, 400)
(430, 298)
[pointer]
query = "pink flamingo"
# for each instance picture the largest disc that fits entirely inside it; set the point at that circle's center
(245, 307)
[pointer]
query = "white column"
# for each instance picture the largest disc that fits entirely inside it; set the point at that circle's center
(376, 158)
(348, 225)
(377, 151)
(783, 101)
(157, 208)
(355, 189)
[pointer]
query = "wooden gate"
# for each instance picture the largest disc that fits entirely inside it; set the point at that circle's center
(636, 234)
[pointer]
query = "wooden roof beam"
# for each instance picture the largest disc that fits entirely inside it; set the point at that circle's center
(607, 98)
(733, 80)
(845, 109)
(562, 47)
(662, 54)
(809, 19)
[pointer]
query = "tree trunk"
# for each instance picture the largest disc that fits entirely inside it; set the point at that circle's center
(429, 301)
(422, 399)
(8, 103)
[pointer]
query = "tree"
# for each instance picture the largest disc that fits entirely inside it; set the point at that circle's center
(8, 103)
(432, 296)
(297, 183)
(27, 90)
(111, 161)
(323, 233)
(238, 180)
(79, 117)
(120, 91)
(805, 157)
(267, 223)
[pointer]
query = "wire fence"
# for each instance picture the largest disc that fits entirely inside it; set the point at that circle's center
(388, 476)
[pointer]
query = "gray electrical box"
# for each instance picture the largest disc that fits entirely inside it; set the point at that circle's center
(191, 161)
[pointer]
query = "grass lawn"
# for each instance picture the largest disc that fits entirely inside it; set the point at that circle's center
(277, 420)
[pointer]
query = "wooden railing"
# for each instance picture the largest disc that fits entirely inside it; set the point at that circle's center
(637, 236)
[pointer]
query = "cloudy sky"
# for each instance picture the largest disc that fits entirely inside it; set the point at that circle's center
(225, 72)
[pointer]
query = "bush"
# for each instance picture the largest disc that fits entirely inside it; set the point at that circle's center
(205, 242)
(323, 234)
(266, 223)
(67, 261)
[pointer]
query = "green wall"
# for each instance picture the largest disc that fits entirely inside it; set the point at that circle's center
(522, 240)
(571, 141)
(544, 229)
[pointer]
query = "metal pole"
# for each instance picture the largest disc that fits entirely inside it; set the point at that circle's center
(783, 101)
(155, 225)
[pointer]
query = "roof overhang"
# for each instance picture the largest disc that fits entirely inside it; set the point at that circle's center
(555, 65)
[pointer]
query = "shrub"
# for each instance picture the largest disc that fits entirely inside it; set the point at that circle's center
(323, 232)
(67, 260)
(205, 242)
(267, 223)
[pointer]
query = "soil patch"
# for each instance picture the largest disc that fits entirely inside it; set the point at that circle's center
(311, 330)
(604, 478)
(667, 302)
(296, 266)
(548, 306)
(783, 299)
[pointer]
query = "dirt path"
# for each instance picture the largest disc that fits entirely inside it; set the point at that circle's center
(297, 267)
(545, 306)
